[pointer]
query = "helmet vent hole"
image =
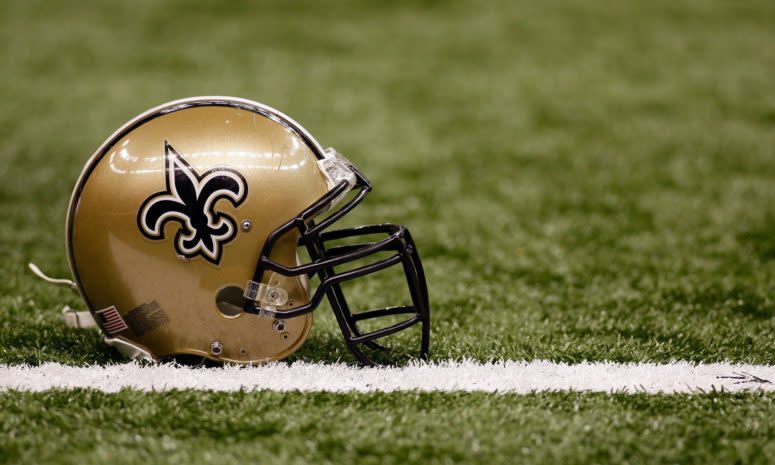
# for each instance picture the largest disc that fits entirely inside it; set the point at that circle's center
(230, 301)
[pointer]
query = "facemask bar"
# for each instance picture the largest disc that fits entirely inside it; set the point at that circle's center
(324, 259)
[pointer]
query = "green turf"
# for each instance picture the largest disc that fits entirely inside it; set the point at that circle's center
(238, 428)
(585, 180)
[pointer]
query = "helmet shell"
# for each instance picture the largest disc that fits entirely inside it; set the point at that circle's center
(168, 299)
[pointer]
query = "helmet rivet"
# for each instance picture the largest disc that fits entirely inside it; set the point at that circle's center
(247, 225)
(216, 348)
(279, 326)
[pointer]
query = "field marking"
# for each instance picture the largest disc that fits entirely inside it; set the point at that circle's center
(505, 376)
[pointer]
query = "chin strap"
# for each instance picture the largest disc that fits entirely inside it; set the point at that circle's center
(72, 318)
(78, 319)
(59, 282)
(83, 319)
(129, 350)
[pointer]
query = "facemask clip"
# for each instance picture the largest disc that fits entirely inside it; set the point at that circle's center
(268, 297)
(336, 168)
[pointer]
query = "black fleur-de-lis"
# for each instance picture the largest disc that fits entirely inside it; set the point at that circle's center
(189, 200)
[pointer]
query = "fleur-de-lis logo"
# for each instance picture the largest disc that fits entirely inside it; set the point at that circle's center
(190, 200)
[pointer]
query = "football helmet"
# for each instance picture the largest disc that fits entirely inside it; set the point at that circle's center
(187, 227)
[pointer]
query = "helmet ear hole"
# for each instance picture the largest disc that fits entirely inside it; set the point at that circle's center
(230, 301)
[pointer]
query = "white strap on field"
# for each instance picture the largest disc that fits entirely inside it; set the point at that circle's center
(502, 377)
(78, 318)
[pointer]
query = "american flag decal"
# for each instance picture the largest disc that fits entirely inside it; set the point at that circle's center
(111, 321)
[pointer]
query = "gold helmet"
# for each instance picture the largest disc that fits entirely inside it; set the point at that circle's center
(185, 227)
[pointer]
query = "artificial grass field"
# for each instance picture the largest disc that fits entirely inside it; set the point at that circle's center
(301, 428)
(585, 181)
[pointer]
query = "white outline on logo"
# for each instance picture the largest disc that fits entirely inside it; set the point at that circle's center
(175, 163)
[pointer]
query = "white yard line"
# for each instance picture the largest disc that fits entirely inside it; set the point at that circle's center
(506, 377)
